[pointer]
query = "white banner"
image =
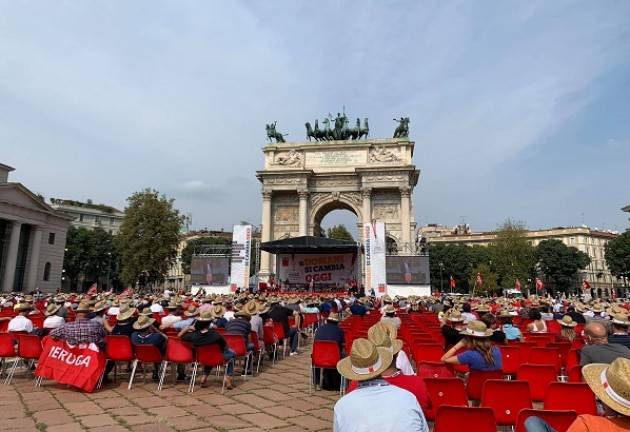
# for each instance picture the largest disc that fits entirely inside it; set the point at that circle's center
(300, 269)
(241, 256)
(374, 235)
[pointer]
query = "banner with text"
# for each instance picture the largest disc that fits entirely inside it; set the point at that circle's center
(374, 237)
(301, 269)
(241, 256)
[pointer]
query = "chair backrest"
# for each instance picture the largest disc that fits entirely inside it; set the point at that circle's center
(573, 358)
(539, 377)
(559, 420)
(268, 335)
(575, 374)
(7, 348)
(451, 418)
(236, 343)
(148, 353)
(445, 391)
(570, 396)
(427, 352)
(525, 348)
(428, 369)
(325, 354)
(278, 329)
(253, 338)
(506, 398)
(29, 346)
(37, 320)
(118, 348)
(178, 351)
(476, 379)
(511, 359)
(545, 356)
(210, 355)
(563, 348)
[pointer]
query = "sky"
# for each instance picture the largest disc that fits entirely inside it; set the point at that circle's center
(518, 110)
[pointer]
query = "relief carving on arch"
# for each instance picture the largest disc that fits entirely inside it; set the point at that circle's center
(385, 212)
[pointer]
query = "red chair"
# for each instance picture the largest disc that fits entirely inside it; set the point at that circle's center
(445, 391)
(545, 356)
(525, 348)
(559, 420)
(278, 329)
(253, 338)
(325, 356)
(270, 340)
(177, 352)
(476, 379)
(539, 377)
(563, 348)
(427, 369)
(118, 349)
(451, 418)
(7, 351)
(29, 348)
(573, 358)
(238, 345)
(209, 355)
(574, 374)
(506, 398)
(511, 359)
(570, 396)
(427, 352)
(144, 354)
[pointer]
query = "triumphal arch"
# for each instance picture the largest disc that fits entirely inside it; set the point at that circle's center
(303, 181)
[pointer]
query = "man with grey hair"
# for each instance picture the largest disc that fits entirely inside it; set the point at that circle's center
(597, 349)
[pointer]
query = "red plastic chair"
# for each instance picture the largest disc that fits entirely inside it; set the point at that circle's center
(511, 359)
(570, 396)
(559, 420)
(144, 354)
(563, 348)
(427, 352)
(270, 340)
(445, 391)
(506, 398)
(237, 344)
(539, 377)
(573, 358)
(574, 374)
(525, 348)
(427, 369)
(451, 418)
(29, 348)
(476, 379)
(209, 355)
(325, 356)
(253, 338)
(118, 349)
(278, 329)
(7, 350)
(177, 352)
(545, 356)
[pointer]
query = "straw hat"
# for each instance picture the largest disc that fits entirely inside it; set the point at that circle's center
(242, 313)
(386, 299)
(455, 316)
(83, 308)
(567, 321)
(380, 335)
(52, 309)
(610, 383)
(621, 319)
(263, 308)
(100, 306)
(146, 311)
(389, 309)
(477, 329)
(22, 307)
(125, 313)
(598, 308)
(483, 308)
(505, 314)
(206, 315)
(191, 311)
(218, 310)
(251, 308)
(333, 317)
(144, 321)
(366, 361)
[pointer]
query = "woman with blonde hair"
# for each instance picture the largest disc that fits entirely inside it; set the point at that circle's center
(567, 330)
(481, 354)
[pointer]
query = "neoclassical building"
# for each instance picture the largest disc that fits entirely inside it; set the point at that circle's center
(32, 239)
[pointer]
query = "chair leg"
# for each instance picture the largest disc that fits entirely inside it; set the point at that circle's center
(162, 375)
(133, 373)
(260, 353)
(11, 371)
(275, 349)
(310, 380)
(191, 386)
(321, 378)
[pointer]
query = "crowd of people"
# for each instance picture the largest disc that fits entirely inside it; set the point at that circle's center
(377, 368)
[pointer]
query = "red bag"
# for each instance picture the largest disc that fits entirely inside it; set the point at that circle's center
(80, 366)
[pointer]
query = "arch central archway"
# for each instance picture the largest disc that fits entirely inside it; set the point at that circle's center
(328, 206)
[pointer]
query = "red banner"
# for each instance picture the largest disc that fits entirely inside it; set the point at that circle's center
(80, 366)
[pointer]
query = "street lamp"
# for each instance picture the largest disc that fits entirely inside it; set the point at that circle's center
(441, 264)
(109, 262)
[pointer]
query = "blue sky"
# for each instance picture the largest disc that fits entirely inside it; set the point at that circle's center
(518, 109)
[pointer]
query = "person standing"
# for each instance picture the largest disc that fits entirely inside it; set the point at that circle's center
(281, 314)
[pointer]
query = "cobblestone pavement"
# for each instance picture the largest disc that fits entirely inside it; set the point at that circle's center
(277, 399)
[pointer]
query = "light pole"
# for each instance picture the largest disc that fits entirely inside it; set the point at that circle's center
(441, 264)
(109, 262)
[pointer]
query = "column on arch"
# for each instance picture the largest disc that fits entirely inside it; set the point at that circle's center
(405, 219)
(265, 258)
(11, 259)
(303, 212)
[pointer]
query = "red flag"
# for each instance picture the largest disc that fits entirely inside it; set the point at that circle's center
(479, 280)
(585, 285)
(452, 282)
(539, 284)
(517, 284)
(92, 290)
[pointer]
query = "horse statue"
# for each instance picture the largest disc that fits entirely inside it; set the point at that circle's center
(273, 134)
(402, 130)
(365, 131)
(341, 130)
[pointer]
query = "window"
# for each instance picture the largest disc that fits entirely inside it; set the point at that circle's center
(51, 238)
(81, 217)
(111, 221)
(47, 271)
(97, 219)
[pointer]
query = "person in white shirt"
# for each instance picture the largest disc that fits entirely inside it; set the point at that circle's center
(114, 309)
(52, 320)
(156, 307)
(174, 315)
(21, 323)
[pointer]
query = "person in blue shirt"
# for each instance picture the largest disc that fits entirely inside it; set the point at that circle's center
(480, 355)
(331, 332)
(357, 308)
(147, 334)
(512, 332)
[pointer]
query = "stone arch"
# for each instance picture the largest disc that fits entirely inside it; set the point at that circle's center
(323, 207)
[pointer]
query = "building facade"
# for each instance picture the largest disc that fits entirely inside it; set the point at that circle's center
(32, 239)
(590, 241)
(89, 215)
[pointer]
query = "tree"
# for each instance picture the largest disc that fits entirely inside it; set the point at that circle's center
(617, 253)
(149, 237)
(339, 232)
(512, 254)
(195, 246)
(489, 279)
(560, 263)
(455, 261)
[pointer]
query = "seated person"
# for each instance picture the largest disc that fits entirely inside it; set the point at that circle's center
(498, 336)
(567, 329)
(53, 320)
(82, 329)
(620, 324)
(452, 328)
(145, 333)
(173, 316)
(358, 308)
(512, 333)
(21, 322)
(538, 325)
(390, 317)
(481, 355)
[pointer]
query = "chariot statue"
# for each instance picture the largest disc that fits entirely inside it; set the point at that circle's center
(341, 129)
(402, 131)
(273, 134)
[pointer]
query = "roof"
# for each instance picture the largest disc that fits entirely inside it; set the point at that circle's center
(6, 167)
(626, 208)
(309, 245)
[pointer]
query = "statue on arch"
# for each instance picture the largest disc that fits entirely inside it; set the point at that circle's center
(402, 131)
(273, 134)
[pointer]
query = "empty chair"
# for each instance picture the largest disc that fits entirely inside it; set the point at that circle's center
(539, 377)
(118, 349)
(445, 391)
(525, 348)
(545, 356)
(428, 369)
(476, 379)
(7, 349)
(511, 359)
(427, 352)
(325, 356)
(29, 348)
(452, 418)
(574, 374)
(506, 398)
(559, 420)
(570, 396)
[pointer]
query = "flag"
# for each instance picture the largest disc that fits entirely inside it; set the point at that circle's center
(585, 285)
(539, 284)
(479, 280)
(452, 282)
(517, 285)
(92, 289)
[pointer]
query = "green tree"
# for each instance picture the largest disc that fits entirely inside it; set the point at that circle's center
(560, 263)
(512, 254)
(489, 280)
(480, 255)
(196, 246)
(446, 260)
(148, 238)
(617, 253)
(339, 232)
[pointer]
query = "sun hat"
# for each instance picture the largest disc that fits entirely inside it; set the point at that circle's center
(389, 309)
(366, 361)
(483, 308)
(83, 308)
(598, 308)
(263, 308)
(567, 321)
(146, 311)
(218, 310)
(22, 307)
(242, 313)
(100, 306)
(477, 329)
(52, 309)
(191, 311)
(386, 299)
(610, 383)
(251, 308)
(125, 313)
(205, 316)
(621, 319)
(454, 316)
(144, 321)
(380, 335)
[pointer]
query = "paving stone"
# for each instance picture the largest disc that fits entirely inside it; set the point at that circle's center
(263, 420)
(185, 401)
(186, 423)
(109, 428)
(136, 419)
(238, 408)
(323, 413)
(300, 404)
(112, 402)
(23, 424)
(216, 399)
(289, 429)
(204, 410)
(53, 417)
(83, 408)
(150, 402)
(227, 422)
(67, 397)
(153, 427)
(271, 394)
(96, 420)
(282, 411)
(254, 400)
(126, 411)
(249, 429)
(70, 427)
(167, 411)
(310, 422)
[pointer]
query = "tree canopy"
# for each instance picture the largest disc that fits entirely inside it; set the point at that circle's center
(511, 254)
(339, 232)
(560, 263)
(617, 253)
(149, 237)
